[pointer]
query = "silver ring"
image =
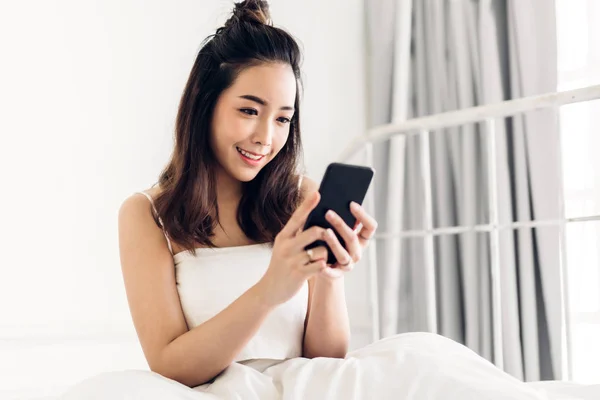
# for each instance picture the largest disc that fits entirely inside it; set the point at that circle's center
(309, 253)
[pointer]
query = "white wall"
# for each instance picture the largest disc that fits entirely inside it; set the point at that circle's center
(89, 91)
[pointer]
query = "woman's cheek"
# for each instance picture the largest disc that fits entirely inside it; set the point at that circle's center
(276, 149)
(281, 141)
(241, 127)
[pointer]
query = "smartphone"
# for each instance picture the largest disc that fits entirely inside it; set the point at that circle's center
(341, 185)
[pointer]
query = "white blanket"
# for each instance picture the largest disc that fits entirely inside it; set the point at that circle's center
(406, 366)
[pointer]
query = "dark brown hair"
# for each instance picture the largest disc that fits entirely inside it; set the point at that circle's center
(187, 202)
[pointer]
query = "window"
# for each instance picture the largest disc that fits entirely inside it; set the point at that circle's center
(579, 66)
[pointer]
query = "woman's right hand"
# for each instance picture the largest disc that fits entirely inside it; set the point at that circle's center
(291, 265)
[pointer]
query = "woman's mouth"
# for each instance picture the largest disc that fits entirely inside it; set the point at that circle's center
(250, 158)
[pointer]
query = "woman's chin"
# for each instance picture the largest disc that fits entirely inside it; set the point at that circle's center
(245, 175)
(244, 171)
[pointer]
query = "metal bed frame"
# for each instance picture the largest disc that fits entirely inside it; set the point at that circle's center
(491, 115)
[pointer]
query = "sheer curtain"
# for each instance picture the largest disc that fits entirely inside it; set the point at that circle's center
(462, 54)
(579, 65)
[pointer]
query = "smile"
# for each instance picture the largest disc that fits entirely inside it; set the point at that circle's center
(249, 155)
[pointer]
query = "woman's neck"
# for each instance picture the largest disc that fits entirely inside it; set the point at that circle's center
(229, 189)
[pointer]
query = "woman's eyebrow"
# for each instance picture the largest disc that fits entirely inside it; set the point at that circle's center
(263, 102)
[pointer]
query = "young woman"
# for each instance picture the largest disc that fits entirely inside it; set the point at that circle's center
(213, 257)
(223, 296)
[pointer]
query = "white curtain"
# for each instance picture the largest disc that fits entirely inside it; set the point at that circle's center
(427, 57)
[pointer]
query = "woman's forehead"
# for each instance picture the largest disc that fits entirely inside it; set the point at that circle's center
(273, 83)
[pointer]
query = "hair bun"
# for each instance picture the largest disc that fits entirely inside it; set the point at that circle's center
(253, 11)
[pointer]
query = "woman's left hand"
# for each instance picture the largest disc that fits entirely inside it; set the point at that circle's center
(355, 239)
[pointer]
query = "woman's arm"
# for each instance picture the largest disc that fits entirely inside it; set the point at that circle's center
(194, 356)
(327, 332)
(327, 327)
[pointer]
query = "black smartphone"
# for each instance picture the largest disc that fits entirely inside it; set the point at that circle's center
(341, 185)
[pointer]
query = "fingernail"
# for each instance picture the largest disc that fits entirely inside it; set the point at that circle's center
(330, 232)
(330, 214)
(354, 205)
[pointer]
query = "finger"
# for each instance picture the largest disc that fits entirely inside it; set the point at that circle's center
(315, 254)
(332, 272)
(336, 247)
(315, 267)
(348, 235)
(299, 216)
(369, 224)
(345, 268)
(308, 236)
(319, 253)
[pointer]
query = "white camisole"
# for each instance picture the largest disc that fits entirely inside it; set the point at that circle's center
(215, 277)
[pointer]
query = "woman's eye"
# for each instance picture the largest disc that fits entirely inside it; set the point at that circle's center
(249, 111)
(283, 120)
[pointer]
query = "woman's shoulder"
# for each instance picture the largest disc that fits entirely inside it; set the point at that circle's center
(153, 191)
(138, 206)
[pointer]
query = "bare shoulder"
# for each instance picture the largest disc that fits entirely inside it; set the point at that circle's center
(308, 186)
(135, 207)
(137, 224)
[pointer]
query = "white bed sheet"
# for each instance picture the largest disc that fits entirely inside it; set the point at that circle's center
(569, 389)
(407, 366)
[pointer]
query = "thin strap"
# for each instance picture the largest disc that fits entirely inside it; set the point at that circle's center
(300, 181)
(162, 226)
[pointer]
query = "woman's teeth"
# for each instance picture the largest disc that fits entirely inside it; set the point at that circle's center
(250, 156)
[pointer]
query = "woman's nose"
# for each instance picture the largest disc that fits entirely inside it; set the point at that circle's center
(263, 134)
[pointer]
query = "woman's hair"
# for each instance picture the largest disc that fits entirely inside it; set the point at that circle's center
(187, 203)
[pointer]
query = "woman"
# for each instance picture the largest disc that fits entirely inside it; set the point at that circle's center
(230, 194)
(223, 296)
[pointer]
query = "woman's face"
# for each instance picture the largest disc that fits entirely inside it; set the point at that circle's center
(251, 120)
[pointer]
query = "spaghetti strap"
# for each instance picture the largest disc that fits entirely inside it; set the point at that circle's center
(162, 226)
(300, 181)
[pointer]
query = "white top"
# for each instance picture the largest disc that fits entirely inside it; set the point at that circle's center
(215, 277)
(208, 282)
